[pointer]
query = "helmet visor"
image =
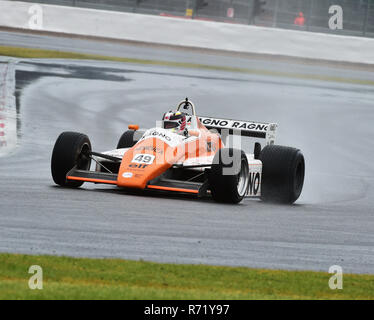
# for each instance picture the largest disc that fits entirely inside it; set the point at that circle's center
(170, 124)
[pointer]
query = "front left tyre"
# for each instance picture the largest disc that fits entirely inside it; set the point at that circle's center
(71, 150)
(229, 176)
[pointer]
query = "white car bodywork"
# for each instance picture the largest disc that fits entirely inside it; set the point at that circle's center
(255, 165)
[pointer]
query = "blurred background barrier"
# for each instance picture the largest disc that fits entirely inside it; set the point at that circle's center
(308, 15)
(186, 33)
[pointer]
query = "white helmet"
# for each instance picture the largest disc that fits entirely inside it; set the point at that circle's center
(176, 121)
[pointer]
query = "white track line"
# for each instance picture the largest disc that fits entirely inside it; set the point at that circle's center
(8, 112)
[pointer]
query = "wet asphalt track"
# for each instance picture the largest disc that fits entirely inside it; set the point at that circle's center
(333, 124)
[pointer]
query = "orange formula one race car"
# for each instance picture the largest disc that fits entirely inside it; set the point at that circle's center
(188, 154)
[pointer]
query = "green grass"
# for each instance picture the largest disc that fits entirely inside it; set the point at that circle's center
(19, 52)
(78, 278)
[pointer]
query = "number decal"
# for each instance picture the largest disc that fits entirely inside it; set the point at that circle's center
(143, 158)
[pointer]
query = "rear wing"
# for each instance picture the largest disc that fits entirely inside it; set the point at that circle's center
(252, 129)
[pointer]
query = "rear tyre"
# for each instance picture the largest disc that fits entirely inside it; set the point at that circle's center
(283, 170)
(127, 140)
(70, 151)
(228, 178)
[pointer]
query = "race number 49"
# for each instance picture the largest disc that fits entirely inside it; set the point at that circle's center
(143, 158)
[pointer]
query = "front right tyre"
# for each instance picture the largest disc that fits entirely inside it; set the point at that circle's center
(71, 150)
(127, 139)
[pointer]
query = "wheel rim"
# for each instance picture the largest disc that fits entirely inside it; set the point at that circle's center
(83, 161)
(243, 179)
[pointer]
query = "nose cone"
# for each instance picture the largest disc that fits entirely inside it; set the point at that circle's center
(143, 162)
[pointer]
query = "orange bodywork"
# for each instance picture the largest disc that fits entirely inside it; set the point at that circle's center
(136, 172)
(172, 189)
(91, 180)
